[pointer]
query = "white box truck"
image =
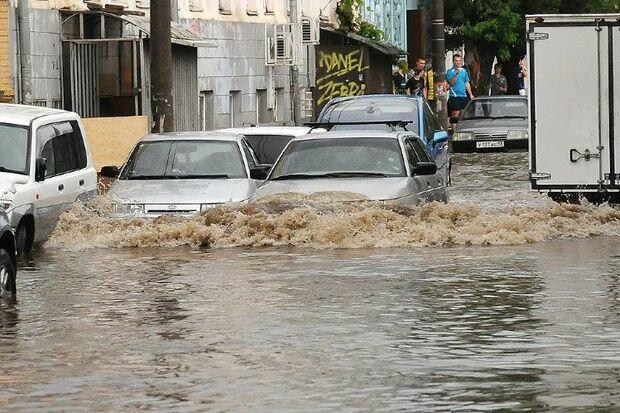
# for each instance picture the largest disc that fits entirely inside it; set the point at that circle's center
(574, 99)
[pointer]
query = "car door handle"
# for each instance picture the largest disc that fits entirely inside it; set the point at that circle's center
(61, 187)
(81, 182)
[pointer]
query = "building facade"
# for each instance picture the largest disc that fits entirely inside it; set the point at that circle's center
(231, 58)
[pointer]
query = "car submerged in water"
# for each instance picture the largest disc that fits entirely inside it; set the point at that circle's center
(494, 123)
(377, 166)
(185, 173)
(388, 113)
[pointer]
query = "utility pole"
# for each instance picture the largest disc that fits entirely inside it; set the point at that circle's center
(439, 61)
(295, 20)
(161, 67)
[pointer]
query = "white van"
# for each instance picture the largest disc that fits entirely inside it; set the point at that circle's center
(45, 166)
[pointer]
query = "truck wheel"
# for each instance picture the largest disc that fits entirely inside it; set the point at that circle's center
(8, 286)
(564, 197)
(23, 239)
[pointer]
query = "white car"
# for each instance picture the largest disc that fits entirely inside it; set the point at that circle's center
(45, 166)
(268, 142)
(184, 173)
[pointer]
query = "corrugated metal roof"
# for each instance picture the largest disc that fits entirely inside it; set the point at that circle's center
(180, 35)
(380, 46)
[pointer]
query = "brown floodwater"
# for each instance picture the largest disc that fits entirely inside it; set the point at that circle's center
(499, 300)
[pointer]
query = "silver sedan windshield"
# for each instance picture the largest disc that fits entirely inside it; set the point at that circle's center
(185, 159)
(339, 157)
(496, 108)
(14, 153)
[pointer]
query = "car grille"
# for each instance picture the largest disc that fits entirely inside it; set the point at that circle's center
(490, 136)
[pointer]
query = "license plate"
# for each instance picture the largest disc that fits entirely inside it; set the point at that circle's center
(489, 144)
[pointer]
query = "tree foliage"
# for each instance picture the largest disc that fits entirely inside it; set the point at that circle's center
(496, 28)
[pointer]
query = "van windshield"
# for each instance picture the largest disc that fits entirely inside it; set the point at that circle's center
(14, 145)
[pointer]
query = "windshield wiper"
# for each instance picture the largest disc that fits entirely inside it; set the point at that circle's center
(12, 171)
(332, 175)
(510, 117)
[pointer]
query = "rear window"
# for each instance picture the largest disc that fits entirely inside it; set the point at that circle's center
(368, 110)
(268, 148)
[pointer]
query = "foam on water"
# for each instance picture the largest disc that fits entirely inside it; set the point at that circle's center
(333, 221)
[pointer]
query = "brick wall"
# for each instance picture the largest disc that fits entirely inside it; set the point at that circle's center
(6, 83)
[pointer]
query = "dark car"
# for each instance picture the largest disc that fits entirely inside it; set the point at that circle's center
(384, 112)
(495, 123)
(8, 266)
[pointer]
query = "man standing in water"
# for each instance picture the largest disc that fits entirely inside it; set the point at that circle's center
(460, 87)
(416, 84)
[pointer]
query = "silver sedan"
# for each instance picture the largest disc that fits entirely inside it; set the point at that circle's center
(185, 173)
(377, 166)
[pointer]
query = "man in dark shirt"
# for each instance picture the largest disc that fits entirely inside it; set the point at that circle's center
(498, 83)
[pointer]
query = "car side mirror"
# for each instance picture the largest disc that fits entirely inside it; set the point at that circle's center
(260, 172)
(109, 171)
(40, 169)
(425, 168)
(454, 120)
(440, 137)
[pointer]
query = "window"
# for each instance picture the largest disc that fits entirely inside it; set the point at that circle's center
(62, 145)
(225, 7)
(263, 114)
(195, 5)
(249, 154)
(415, 152)
(269, 6)
(251, 7)
(207, 110)
(234, 108)
(14, 143)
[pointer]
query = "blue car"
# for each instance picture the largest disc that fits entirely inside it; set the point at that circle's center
(389, 112)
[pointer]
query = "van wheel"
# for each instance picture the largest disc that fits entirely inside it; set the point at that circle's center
(23, 239)
(8, 286)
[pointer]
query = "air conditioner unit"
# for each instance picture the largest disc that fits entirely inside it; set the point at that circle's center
(310, 31)
(279, 45)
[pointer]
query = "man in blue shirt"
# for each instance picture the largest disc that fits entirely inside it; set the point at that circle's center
(460, 87)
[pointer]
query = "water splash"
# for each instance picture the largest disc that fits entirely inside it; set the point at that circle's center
(333, 221)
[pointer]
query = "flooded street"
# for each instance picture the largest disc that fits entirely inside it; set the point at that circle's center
(498, 301)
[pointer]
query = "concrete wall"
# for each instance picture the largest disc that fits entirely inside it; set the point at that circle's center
(46, 50)
(111, 139)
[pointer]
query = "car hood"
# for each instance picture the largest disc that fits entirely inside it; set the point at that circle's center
(367, 188)
(487, 125)
(182, 191)
(8, 182)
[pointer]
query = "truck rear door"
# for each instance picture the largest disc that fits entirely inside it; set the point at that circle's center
(573, 89)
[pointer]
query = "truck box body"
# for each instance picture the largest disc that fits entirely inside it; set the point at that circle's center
(574, 98)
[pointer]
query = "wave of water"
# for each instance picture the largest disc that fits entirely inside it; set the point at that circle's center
(330, 221)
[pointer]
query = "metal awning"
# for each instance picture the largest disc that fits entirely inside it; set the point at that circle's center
(381, 47)
(179, 34)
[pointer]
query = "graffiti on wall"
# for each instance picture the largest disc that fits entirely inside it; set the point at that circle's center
(340, 72)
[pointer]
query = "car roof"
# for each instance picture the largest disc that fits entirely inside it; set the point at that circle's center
(348, 134)
(179, 136)
(25, 114)
(270, 130)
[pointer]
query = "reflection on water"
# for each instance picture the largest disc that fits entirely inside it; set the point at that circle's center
(525, 327)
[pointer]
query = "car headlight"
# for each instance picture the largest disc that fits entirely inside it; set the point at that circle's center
(462, 136)
(6, 204)
(517, 134)
(129, 209)
(204, 207)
